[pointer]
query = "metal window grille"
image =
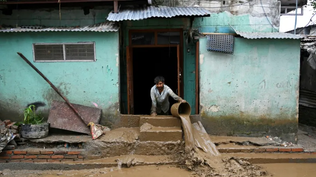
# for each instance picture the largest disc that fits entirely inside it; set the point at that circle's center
(45, 52)
(220, 43)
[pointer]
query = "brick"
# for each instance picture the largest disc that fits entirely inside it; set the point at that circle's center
(17, 157)
(27, 160)
(247, 150)
(285, 149)
(43, 156)
(3, 161)
(19, 152)
(260, 150)
(70, 156)
(31, 156)
(5, 157)
(15, 160)
(33, 152)
(272, 149)
(74, 152)
(297, 149)
(80, 157)
(47, 152)
(57, 156)
(60, 152)
(40, 160)
(53, 160)
(8, 152)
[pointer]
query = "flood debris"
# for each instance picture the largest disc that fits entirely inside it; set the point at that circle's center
(8, 131)
(279, 142)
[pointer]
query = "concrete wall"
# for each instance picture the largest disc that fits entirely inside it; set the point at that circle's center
(245, 15)
(252, 92)
(82, 83)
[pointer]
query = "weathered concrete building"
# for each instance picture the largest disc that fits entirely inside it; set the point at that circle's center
(225, 58)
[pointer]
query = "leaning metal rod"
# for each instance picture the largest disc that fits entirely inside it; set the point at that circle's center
(53, 86)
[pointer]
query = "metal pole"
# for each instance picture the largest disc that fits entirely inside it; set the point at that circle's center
(52, 85)
(295, 17)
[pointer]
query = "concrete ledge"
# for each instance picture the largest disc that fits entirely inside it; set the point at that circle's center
(161, 134)
(160, 121)
(275, 157)
(92, 164)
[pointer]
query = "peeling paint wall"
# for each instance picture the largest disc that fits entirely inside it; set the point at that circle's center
(243, 15)
(252, 92)
(86, 83)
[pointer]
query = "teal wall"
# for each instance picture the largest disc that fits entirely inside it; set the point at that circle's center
(82, 83)
(224, 21)
(253, 91)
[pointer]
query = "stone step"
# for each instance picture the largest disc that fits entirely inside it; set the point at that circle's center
(160, 121)
(161, 134)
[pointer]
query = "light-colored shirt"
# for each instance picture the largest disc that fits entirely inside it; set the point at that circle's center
(160, 101)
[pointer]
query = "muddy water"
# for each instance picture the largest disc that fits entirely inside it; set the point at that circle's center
(290, 169)
(137, 171)
(202, 157)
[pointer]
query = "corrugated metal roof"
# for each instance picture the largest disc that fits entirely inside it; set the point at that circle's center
(152, 11)
(101, 27)
(261, 35)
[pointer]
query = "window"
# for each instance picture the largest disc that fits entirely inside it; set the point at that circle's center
(50, 52)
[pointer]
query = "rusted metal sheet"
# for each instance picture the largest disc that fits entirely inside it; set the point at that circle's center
(61, 116)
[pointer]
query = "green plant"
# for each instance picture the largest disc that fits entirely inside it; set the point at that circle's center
(30, 117)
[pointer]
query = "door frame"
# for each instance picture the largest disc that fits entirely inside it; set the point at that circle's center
(129, 62)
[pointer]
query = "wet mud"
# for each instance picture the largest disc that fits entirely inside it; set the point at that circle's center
(201, 155)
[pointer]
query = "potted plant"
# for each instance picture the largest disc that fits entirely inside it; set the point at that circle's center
(32, 125)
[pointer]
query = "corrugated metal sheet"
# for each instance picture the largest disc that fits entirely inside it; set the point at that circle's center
(101, 27)
(152, 11)
(276, 35)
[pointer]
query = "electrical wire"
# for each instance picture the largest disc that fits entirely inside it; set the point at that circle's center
(265, 14)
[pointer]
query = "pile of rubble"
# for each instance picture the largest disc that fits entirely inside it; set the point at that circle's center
(9, 135)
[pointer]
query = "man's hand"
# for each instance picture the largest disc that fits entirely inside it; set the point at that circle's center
(153, 114)
(182, 101)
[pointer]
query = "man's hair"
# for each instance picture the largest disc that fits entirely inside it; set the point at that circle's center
(159, 79)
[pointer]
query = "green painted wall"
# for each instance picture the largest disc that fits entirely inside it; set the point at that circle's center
(81, 82)
(222, 23)
(252, 92)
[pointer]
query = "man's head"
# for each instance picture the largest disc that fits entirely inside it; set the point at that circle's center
(159, 81)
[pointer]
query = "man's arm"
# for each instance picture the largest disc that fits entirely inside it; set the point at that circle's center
(175, 96)
(153, 103)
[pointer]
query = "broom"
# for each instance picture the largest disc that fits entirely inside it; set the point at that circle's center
(95, 129)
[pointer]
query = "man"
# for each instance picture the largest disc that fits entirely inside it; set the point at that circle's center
(159, 94)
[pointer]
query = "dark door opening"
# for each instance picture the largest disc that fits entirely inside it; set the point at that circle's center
(147, 64)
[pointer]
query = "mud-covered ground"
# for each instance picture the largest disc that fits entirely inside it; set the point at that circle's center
(135, 171)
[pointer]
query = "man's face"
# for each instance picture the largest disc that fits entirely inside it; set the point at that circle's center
(160, 85)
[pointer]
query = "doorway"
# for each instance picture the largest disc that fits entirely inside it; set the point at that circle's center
(147, 64)
(152, 53)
